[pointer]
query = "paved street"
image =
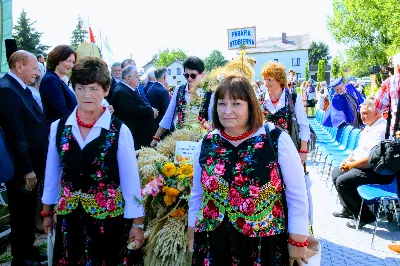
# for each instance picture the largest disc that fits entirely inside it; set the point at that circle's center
(345, 246)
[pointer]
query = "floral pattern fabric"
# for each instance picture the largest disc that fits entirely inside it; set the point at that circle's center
(98, 193)
(282, 117)
(243, 183)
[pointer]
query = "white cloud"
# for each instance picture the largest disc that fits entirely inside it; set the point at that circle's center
(142, 28)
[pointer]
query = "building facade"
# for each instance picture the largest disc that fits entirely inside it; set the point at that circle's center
(175, 73)
(6, 26)
(291, 51)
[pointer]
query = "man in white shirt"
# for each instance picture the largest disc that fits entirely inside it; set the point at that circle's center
(354, 171)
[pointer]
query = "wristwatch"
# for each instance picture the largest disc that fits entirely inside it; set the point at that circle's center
(141, 226)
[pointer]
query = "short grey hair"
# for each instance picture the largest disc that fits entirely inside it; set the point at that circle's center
(160, 72)
(41, 71)
(370, 104)
(150, 73)
(116, 64)
(128, 71)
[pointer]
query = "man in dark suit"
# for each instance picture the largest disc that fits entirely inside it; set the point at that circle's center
(25, 129)
(131, 108)
(158, 95)
(151, 79)
(115, 78)
(140, 89)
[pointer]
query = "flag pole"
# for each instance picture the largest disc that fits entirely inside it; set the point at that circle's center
(101, 45)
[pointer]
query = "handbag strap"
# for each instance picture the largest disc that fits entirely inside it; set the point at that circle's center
(389, 120)
(267, 131)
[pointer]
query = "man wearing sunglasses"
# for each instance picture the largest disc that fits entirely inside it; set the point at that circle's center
(194, 72)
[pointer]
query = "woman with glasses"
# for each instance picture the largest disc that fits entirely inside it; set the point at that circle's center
(174, 117)
(57, 98)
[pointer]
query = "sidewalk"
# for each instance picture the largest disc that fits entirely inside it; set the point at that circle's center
(344, 246)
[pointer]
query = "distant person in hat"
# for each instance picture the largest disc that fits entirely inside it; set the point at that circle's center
(292, 80)
(344, 107)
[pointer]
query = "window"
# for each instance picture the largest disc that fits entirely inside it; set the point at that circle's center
(276, 60)
(178, 71)
(298, 75)
(295, 61)
(173, 77)
(169, 72)
(179, 82)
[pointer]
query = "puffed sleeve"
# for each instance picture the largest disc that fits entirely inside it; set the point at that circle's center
(166, 122)
(293, 177)
(129, 174)
(52, 177)
(197, 190)
(301, 116)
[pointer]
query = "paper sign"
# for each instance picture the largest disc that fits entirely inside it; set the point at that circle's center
(184, 151)
(242, 37)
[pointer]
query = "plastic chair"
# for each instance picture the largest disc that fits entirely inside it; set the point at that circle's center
(378, 193)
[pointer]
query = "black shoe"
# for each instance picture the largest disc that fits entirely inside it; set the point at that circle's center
(353, 224)
(24, 262)
(343, 214)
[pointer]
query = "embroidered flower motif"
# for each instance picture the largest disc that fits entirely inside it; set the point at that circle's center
(211, 183)
(110, 205)
(253, 191)
(62, 204)
(240, 222)
(259, 145)
(99, 173)
(206, 262)
(195, 110)
(67, 192)
(101, 229)
(247, 230)
(101, 200)
(219, 169)
(241, 180)
(248, 207)
(277, 210)
(275, 180)
(111, 193)
(65, 147)
(210, 211)
(235, 198)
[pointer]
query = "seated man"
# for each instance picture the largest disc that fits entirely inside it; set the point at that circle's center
(354, 171)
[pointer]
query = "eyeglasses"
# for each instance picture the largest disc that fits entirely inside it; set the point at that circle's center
(192, 76)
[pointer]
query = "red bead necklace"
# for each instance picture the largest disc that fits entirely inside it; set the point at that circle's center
(236, 138)
(274, 101)
(79, 121)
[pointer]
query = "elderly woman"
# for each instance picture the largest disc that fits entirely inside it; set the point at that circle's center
(92, 179)
(248, 204)
(58, 99)
(277, 105)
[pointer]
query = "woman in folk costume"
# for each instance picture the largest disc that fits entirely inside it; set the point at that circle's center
(92, 180)
(182, 100)
(276, 104)
(248, 204)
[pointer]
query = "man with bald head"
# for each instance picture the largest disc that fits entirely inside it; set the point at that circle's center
(25, 130)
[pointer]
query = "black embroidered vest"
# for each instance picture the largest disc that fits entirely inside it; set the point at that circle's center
(244, 183)
(90, 176)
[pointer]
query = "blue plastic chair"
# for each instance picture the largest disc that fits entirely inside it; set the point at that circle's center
(379, 193)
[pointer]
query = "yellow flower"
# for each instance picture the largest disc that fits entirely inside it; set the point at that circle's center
(181, 178)
(170, 195)
(169, 169)
(179, 212)
(185, 169)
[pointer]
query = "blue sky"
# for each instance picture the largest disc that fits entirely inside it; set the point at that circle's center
(142, 28)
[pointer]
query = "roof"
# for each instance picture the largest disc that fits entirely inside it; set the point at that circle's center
(275, 44)
(152, 61)
(176, 61)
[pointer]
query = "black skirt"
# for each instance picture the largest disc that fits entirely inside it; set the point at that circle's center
(84, 240)
(310, 103)
(227, 246)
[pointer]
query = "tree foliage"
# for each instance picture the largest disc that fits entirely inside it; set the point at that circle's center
(370, 30)
(79, 35)
(213, 60)
(27, 37)
(307, 72)
(335, 70)
(167, 57)
(318, 51)
(321, 70)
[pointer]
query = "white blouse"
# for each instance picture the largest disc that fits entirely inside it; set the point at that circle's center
(301, 116)
(293, 177)
(126, 156)
(170, 115)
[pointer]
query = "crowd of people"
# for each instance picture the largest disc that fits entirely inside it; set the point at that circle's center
(73, 128)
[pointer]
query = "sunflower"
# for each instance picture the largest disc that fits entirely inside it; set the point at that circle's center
(185, 169)
(169, 169)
